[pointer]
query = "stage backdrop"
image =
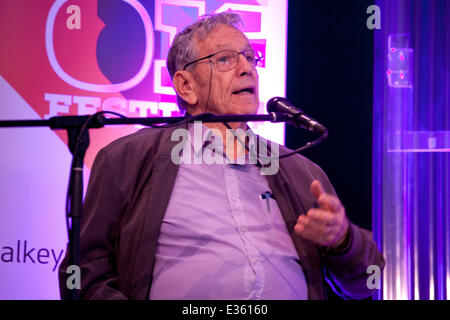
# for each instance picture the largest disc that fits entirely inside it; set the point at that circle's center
(75, 58)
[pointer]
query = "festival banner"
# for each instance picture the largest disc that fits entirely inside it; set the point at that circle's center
(78, 57)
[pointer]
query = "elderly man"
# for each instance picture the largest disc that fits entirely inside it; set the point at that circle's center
(153, 229)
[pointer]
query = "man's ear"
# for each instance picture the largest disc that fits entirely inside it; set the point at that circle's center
(184, 84)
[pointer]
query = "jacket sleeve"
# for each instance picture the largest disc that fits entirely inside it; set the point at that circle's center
(102, 208)
(346, 269)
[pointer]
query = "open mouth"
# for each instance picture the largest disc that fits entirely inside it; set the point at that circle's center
(245, 90)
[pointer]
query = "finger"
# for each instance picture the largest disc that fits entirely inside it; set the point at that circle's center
(321, 218)
(319, 222)
(316, 188)
(308, 230)
(306, 233)
(329, 202)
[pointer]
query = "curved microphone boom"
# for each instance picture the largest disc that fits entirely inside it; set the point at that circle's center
(298, 117)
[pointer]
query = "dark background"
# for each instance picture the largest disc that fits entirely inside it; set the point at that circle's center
(330, 76)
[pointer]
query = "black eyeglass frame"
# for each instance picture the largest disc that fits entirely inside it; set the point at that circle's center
(213, 54)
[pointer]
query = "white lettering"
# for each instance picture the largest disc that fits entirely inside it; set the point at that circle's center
(58, 103)
(198, 141)
(74, 280)
(274, 155)
(74, 20)
(183, 146)
(167, 108)
(199, 310)
(87, 105)
(114, 104)
(213, 153)
(208, 148)
(143, 107)
(373, 282)
(374, 21)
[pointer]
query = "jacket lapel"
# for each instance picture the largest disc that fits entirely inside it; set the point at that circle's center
(291, 207)
(154, 201)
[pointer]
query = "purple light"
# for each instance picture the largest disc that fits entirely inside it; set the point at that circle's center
(419, 150)
(412, 149)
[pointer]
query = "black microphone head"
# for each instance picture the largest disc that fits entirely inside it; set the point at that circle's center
(272, 104)
(279, 104)
(297, 116)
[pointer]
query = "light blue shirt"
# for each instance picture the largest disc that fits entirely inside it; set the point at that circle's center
(220, 239)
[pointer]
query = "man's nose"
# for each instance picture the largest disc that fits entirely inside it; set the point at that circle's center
(245, 67)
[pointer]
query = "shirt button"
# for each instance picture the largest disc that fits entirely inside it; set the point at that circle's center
(233, 198)
(243, 229)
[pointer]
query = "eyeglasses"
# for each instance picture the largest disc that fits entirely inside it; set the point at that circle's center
(228, 59)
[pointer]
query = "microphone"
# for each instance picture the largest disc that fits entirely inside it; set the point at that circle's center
(298, 117)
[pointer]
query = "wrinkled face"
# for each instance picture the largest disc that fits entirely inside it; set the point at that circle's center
(233, 91)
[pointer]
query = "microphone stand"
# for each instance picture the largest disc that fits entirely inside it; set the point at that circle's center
(77, 128)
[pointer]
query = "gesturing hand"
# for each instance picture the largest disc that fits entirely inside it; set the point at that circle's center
(327, 225)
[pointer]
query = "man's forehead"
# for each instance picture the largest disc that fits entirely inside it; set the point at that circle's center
(224, 37)
(224, 46)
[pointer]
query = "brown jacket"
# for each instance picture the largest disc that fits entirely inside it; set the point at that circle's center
(129, 189)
